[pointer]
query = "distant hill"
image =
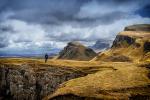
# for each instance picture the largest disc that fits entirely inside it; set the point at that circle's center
(101, 44)
(76, 51)
(138, 27)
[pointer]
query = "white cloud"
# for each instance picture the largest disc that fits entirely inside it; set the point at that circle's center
(27, 36)
(111, 30)
(68, 32)
(24, 31)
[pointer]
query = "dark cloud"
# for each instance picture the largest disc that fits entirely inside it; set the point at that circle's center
(45, 11)
(2, 45)
(4, 29)
(60, 11)
(145, 11)
(4, 42)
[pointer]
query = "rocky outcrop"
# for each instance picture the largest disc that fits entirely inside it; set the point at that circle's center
(123, 41)
(76, 51)
(147, 46)
(23, 82)
(138, 27)
(130, 34)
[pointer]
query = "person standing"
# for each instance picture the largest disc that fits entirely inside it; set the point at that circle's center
(46, 57)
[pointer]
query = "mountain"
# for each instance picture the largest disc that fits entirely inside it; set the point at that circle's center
(101, 45)
(76, 51)
(132, 44)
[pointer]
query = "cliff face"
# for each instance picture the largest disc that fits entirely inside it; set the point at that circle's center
(76, 51)
(131, 34)
(24, 82)
(123, 41)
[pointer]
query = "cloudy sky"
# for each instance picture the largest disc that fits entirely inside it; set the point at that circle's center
(38, 26)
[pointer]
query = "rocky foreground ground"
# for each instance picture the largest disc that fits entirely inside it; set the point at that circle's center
(119, 73)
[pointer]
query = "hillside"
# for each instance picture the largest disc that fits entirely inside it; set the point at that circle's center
(76, 51)
(124, 81)
(130, 46)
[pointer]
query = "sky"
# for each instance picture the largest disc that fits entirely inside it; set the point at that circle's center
(38, 26)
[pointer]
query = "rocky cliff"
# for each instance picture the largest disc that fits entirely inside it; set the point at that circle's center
(32, 81)
(130, 45)
(76, 51)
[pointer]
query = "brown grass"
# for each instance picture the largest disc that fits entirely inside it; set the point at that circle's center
(136, 34)
(108, 84)
(104, 80)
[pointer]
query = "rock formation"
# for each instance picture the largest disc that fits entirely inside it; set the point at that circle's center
(132, 44)
(76, 51)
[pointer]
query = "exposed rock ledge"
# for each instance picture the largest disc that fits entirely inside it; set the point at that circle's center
(23, 82)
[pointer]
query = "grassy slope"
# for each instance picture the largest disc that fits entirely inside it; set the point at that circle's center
(84, 66)
(124, 80)
(104, 80)
(141, 34)
(60, 63)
